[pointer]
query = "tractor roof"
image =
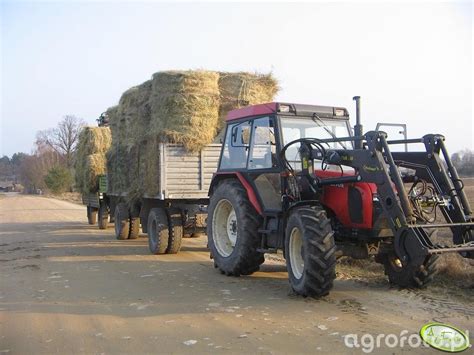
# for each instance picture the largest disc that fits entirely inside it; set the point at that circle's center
(288, 109)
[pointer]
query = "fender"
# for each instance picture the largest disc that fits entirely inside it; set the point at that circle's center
(219, 176)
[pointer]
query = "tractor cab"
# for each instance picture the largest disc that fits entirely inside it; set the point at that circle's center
(256, 135)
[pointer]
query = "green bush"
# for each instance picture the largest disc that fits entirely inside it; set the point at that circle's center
(58, 179)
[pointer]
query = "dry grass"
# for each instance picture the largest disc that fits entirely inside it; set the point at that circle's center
(74, 197)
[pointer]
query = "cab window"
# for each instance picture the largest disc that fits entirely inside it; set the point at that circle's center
(263, 148)
(236, 146)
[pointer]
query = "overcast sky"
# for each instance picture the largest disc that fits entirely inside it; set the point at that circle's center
(409, 62)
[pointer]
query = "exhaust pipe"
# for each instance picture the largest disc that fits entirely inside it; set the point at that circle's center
(358, 129)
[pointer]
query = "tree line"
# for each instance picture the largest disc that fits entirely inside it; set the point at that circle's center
(50, 166)
(464, 162)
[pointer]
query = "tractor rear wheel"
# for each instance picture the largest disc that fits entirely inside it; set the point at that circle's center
(232, 230)
(134, 228)
(310, 252)
(103, 216)
(158, 231)
(121, 221)
(91, 215)
(414, 275)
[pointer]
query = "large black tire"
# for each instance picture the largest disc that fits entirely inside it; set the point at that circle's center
(121, 221)
(158, 231)
(134, 228)
(103, 216)
(175, 233)
(310, 252)
(233, 243)
(410, 275)
(91, 215)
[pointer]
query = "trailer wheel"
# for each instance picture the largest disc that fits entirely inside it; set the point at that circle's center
(134, 228)
(411, 274)
(232, 230)
(91, 215)
(122, 221)
(175, 233)
(103, 216)
(310, 252)
(158, 231)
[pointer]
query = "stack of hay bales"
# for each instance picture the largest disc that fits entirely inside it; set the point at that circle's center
(185, 107)
(94, 142)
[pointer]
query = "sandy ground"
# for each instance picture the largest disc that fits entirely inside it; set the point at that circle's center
(66, 287)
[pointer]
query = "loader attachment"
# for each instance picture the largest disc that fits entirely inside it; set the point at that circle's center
(375, 163)
(434, 166)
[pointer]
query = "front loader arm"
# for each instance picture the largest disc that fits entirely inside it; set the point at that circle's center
(443, 176)
(371, 165)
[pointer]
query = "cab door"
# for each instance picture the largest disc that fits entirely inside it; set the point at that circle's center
(263, 169)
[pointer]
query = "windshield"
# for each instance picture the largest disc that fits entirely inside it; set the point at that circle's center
(296, 128)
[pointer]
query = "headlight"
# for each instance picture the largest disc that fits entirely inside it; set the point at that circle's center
(339, 112)
(283, 108)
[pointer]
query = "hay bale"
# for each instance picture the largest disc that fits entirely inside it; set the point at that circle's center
(93, 140)
(116, 125)
(117, 169)
(242, 89)
(135, 112)
(185, 107)
(93, 143)
(149, 169)
(95, 166)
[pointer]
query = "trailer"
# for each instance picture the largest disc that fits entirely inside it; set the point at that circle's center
(180, 207)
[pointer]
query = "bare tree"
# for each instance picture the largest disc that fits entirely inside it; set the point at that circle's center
(62, 139)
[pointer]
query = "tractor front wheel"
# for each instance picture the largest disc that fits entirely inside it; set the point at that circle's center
(310, 252)
(232, 230)
(411, 274)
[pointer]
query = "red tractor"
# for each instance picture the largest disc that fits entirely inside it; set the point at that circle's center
(294, 177)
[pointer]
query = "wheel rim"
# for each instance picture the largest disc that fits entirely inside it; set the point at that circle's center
(224, 228)
(296, 253)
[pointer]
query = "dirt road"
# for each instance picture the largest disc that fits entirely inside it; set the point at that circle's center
(66, 287)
